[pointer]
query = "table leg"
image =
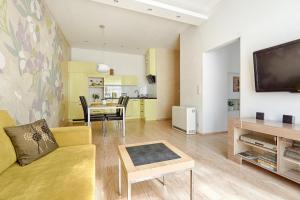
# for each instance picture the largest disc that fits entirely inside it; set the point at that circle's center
(191, 185)
(161, 181)
(128, 190)
(123, 127)
(89, 117)
(120, 178)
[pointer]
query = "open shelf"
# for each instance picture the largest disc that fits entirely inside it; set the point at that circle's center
(293, 175)
(96, 86)
(258, 147)
(253, 161)
(291, 160)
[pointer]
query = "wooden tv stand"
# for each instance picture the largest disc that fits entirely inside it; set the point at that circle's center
(284, 133)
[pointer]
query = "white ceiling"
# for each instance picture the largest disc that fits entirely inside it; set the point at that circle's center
(130, 26)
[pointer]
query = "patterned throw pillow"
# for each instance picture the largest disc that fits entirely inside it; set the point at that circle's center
(31, 141)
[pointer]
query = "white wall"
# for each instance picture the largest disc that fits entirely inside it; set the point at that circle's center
(217, 64)
(123, 64)
(258, 24)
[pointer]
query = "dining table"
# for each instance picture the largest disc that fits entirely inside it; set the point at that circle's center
(98, 106)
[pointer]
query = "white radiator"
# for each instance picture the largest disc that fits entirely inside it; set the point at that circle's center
(184, 119)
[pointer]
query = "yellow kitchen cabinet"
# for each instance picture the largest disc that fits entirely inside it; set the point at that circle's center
(150, 60)
(133, 109)
(150, 109)
(112, 80)
(78, 86)
(75, 110)
(129, 80)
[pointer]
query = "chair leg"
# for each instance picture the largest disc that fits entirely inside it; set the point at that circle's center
(103, 128)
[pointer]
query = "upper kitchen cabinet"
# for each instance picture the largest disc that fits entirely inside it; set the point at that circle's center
(129, 80)
(150, 60)
(112, 80)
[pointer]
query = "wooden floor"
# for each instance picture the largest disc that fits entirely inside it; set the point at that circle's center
(215, 178)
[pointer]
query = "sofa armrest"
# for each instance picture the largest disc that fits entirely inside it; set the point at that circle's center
(72, 136)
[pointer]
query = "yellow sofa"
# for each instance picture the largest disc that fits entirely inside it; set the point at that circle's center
(68, 173)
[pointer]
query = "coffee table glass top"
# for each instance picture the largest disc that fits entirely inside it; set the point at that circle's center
(150, 153)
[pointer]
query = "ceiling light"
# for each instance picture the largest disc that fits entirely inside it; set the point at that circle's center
(102, 68)
(178, 16)
(172, 8)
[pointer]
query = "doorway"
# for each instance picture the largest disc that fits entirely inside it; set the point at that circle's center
(221, 86)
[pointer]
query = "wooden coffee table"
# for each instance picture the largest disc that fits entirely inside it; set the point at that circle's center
(150, 160)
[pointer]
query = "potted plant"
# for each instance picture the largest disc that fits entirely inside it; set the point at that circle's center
(230, 105)
(96, 97)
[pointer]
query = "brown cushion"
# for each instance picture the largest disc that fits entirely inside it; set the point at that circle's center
(31, 141)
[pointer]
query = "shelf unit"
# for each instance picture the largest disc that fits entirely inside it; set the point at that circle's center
(258, 164)
(291, 160)
(258, 147)
(285, 134)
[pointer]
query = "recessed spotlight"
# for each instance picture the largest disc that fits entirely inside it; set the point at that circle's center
(158, 4)
(149, 9)
(178, 16)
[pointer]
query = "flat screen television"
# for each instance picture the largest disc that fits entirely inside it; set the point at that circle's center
(277, 69)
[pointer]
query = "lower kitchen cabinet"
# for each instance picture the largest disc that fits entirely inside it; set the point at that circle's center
(150, 109)
(133, 109)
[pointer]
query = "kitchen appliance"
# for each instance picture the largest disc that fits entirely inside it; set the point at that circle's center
(184, 119)
(151, 79)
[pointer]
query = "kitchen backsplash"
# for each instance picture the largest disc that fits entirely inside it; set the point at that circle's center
(128, 90)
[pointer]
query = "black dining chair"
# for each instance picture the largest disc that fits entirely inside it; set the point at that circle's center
(120, 101)
(118, 116)
(93, 117)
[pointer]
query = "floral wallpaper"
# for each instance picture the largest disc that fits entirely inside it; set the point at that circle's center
(32, 48)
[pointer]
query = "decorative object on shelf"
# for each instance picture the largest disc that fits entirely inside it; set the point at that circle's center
(111, 71)
(96, 97)
(288, 119)
(236, 83)
(260, 115)
(230, 105)
(96, 82)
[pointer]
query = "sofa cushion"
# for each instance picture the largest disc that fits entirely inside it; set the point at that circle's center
(67, 173)
(7, 151)
(72, 135)
(31, 141)
(5, 119)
